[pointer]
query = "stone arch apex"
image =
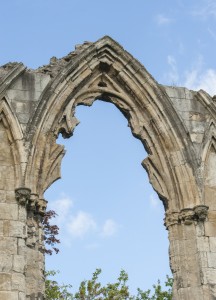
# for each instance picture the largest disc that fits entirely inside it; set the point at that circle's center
(105, 71)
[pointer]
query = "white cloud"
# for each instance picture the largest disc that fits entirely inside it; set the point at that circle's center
(81, 224)
(172, 76)
(154, 201)
(212, 33)
(109, 228)
(163, 20)
(195, 78)
(208, 9)
(62, 207)
(206, 80)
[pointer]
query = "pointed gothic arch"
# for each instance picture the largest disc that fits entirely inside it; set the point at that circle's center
(105, 71)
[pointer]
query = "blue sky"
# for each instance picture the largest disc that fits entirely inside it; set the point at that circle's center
(108, 213)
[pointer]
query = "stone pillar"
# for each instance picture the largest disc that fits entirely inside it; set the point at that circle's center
(13, 231)
(192, 253)
(28, 263)
(12, 248)
(35, 284)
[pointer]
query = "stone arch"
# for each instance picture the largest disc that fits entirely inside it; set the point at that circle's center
(15, 136)
(209, 160)
(104, 70)
(175, 125)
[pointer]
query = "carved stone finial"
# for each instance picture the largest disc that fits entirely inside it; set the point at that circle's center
(23, 195)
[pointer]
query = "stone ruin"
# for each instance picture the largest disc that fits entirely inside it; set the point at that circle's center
(175, 125)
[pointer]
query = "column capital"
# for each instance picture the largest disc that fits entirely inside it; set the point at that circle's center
(22, 195)
(30, 200)
(186, 216)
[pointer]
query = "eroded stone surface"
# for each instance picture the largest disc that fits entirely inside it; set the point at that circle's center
(176, 126)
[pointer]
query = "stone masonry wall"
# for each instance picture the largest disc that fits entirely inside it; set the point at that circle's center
(13, 229)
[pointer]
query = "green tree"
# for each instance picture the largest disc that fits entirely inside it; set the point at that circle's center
(54, 291)
(93, 290)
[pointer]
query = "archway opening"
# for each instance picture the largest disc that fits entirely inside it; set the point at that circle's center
(109, 215)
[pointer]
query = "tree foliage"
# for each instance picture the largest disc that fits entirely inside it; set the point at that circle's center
(54, 291)
(50, 233)
(93, 290)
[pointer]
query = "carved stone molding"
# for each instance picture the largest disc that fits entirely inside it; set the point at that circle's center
(22, 195)
(187, 216)
(36, 205)
(201, 212)
(41, 206)
(31, 201)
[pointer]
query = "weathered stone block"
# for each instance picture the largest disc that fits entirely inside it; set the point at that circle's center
(203, 244)
(209, 276)
(210, 193)
(188, 246)
(190, 293)
(189, 232)
(176, 232)
(5, 282)
(23, 95)
(2, 196)
(9, 295)
(210, 229)
(212, 216)
(22, 213)
(200, 229)
(206, 292)
(212, 260)
(8, 245)
(212, 243)
(176, 93)
(22, 296)
(203, 259)
(18, 282)
(1, 228)
(8, 211)
(21, 248)
(19, 263)
(6, 263)
(17, 229)
(10, 197)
